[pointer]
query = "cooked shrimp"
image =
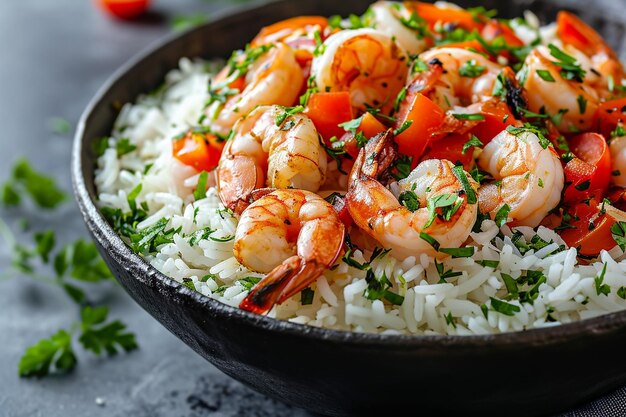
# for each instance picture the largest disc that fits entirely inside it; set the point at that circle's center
(457, 77)
(296, 32)
(530, 177)
(386, 17)
(577, 96)
(378, 213)
(595, 56)
(617, 147)
(273, 78)
(555, 94)
(365, 62)
(293, 235)
(264, 154)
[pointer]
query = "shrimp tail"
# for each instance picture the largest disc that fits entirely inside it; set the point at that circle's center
(286, 280)
(376, 158)
(238, 177)
(515, 95)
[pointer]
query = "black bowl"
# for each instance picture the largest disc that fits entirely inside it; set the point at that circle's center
(534, 372)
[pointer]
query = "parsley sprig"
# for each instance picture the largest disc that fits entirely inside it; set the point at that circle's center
(74, 266)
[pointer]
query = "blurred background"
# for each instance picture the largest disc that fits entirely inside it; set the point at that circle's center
(55, 56)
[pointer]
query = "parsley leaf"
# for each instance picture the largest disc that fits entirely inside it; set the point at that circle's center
(473, 141)
(601, 288)
(109, 337)
(502, 215)
(306, 296)
(43, 189)
(570, 69)
(123, 146)
(47, 355)
(409, 200)
(200, 191)
(470, 69)
(503, 307)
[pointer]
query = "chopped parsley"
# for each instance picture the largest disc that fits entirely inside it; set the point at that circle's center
(200, 191)
(409, 200)
(448, 203)
(545, 75)
(462, 177)
(473, 141)
(431, 240)
(468, 116)
(601, 287)
(570, 69)
(618, 231)
(471, 70)
(248, 282)
(465, 252)
(306, 296)
(503, 307)
(405, 125)
(402, 167)
(123, 147)
(287, 112)
(502, 215)
(582, 104)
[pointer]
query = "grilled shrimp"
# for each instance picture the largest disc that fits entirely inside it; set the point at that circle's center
(262, 153)
(273, 78)
(457, 77)
(530, 177)
(365, 62)
(407, 229)
(386, 17)
(293, 235)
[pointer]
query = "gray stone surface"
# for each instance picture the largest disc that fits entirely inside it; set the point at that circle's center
(55, 55)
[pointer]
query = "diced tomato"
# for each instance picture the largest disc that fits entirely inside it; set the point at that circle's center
(495, 29)
(425, 116)
(590, 229)
(370, 126)
(198, 149)
(433, 14)
(609, 114)
(590, 172)
(284, 28)
(617, 197)
(451, 148)
(327, 111)
(497, 117)
(124, 9)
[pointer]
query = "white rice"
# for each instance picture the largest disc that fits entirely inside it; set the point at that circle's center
(460, 305)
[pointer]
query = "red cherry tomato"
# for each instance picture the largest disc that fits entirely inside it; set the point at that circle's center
(590, 229)
(124, 9)
(199, 150)
(590, 172)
